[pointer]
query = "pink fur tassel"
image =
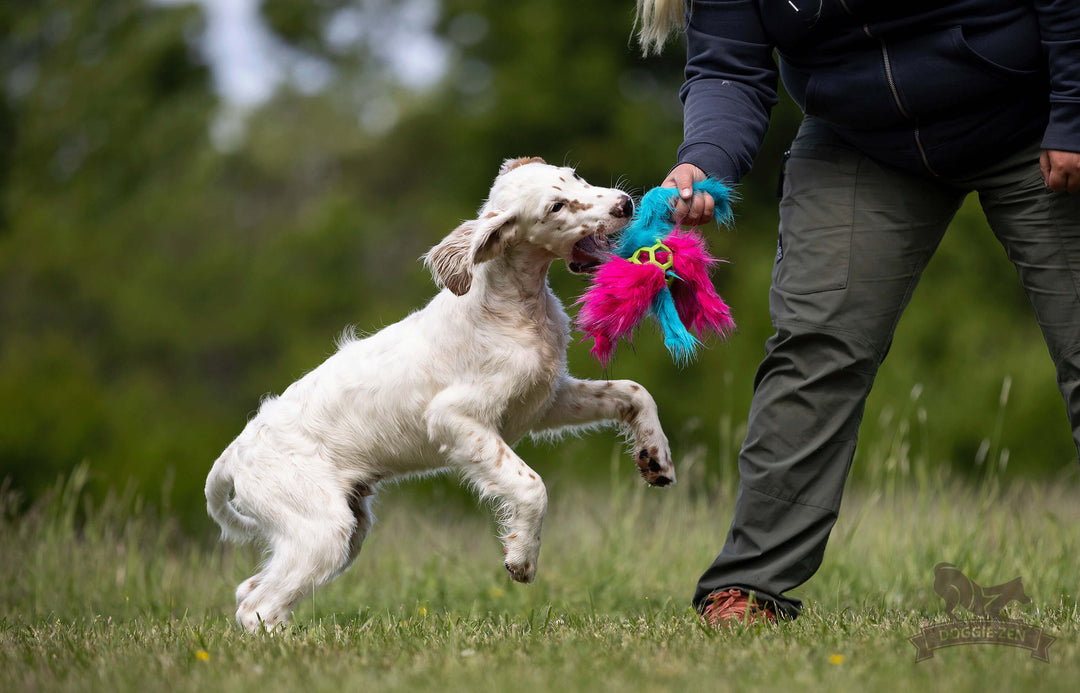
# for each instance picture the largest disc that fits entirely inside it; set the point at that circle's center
(621, 295)
(700, 307)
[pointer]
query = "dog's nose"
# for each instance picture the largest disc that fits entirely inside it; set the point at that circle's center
(623, 208)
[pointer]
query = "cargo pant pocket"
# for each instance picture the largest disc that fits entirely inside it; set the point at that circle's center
(817, 216)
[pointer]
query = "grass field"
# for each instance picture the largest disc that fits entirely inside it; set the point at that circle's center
(114, 598)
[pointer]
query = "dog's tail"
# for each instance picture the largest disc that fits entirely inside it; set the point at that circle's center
(219, 484)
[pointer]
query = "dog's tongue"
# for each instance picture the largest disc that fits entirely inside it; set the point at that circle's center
(588, 253)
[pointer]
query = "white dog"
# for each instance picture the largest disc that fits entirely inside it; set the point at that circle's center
(450, 387)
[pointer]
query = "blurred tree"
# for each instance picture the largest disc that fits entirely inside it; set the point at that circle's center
(104, 100)
(156, 281)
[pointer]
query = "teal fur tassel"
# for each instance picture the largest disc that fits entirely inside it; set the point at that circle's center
(679, 342)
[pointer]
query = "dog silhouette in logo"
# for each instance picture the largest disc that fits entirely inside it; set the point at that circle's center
(958, 589)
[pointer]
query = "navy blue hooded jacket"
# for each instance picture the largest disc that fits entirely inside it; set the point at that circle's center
(937, 88)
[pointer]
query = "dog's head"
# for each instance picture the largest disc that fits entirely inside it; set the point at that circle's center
(548, 208)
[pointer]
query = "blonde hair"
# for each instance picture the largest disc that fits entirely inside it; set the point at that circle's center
(656, 21)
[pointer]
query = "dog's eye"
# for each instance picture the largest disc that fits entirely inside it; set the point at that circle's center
(556, 207)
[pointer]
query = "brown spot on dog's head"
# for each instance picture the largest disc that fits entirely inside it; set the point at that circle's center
(511, 164)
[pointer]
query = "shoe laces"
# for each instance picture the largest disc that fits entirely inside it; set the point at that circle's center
(727, 606)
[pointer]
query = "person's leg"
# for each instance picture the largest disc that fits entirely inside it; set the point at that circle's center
(1040, 230)
(854, 239)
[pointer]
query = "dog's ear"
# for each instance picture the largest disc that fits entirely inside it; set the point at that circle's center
(491, 236)
(450, 261)
(473, 242)
(511, 164)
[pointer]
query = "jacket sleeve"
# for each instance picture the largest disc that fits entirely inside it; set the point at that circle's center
(1059, 24)
(730, 87)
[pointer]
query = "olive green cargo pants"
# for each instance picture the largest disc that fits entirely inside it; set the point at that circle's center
(854, 239)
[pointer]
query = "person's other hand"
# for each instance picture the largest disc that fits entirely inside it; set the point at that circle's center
(1061, 170)
(692, 209)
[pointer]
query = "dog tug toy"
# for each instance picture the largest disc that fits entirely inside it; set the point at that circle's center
(662, 269)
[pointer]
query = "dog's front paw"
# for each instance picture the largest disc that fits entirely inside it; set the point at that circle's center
(521, 560)
(521, 554)
(521, 572)
(655, 466)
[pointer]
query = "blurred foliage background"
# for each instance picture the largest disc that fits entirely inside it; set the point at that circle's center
(175, 243)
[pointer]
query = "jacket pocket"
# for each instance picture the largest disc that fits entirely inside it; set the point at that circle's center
(852, 94)
(948, 72)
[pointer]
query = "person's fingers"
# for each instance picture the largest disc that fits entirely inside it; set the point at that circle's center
(699, 211)
(1061, 170)
(683, 177)
(1064, 182)
(681, 210)
(710, 209)
(1056, 181)
(685, 184)
(690, 209)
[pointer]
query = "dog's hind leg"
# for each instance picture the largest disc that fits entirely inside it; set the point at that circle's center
(245, 588)
(307, 549)
(360, 504)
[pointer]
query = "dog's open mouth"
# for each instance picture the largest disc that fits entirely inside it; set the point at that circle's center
(588, 253)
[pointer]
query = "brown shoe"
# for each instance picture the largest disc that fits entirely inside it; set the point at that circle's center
(726, 607)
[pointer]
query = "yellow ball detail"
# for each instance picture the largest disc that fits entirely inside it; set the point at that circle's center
(647, 256)
(650, 256)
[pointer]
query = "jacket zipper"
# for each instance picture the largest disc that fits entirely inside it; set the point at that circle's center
(896, 96)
